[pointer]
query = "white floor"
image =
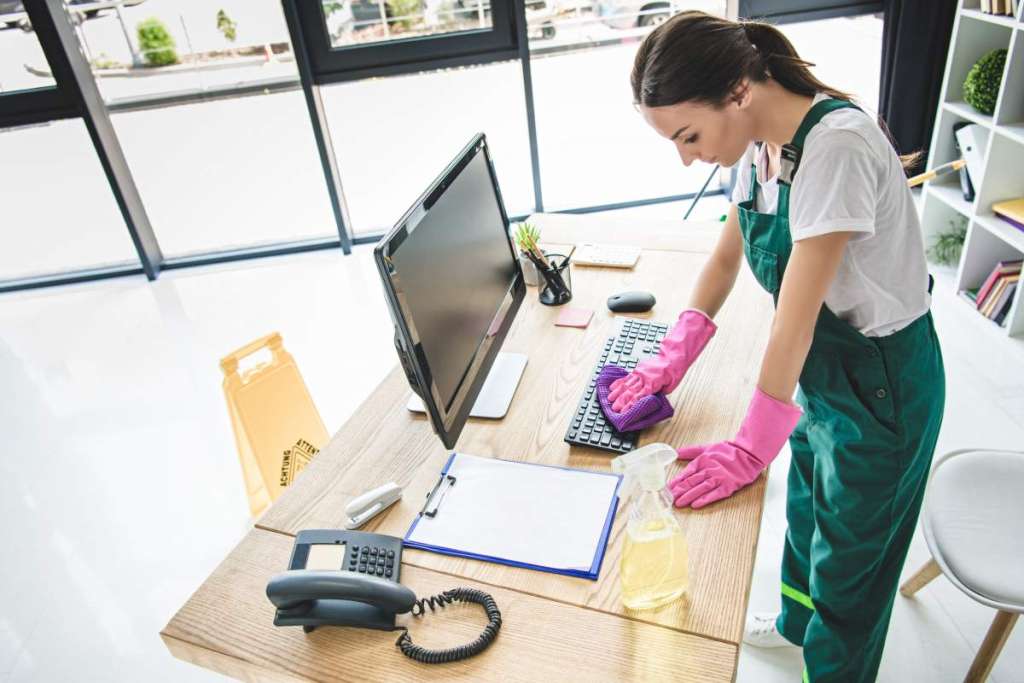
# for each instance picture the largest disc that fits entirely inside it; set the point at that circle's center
(120, 489)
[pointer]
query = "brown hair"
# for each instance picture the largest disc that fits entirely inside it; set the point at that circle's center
(698, 57)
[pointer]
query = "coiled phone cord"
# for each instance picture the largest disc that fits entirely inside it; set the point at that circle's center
(454, 654)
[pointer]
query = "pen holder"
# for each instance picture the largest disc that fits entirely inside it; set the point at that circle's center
(557, 284)
(530, 274)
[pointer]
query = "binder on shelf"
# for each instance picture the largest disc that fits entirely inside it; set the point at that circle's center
(1011, 211)
(541, 517)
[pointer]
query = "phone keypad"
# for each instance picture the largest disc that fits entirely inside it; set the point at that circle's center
(371, 560)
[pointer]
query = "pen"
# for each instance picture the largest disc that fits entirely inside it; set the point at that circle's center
(540, 263)
(538, 253)
(937, 171)
(533, 258)
(565, 261)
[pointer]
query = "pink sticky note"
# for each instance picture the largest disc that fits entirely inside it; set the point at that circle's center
(574, 317)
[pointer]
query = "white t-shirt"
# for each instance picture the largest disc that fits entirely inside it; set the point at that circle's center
(850, 179)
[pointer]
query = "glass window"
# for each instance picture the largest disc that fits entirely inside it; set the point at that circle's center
(828, 44)
(356, 22)
(581, 61)
(393, 136)
(228, 174)
(23, 65)
(581, 58)
(59, 212)
(141, 48)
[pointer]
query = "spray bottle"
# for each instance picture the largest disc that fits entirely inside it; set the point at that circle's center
(654, 558)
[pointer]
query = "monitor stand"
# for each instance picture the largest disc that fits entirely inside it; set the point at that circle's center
(497, 391)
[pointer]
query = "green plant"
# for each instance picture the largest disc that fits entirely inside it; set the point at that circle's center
(104, 61)
(405, 8)
(331, 7)
(981, 88)
(226, 26)
(156, 42)
(526, 236)
(948, 245)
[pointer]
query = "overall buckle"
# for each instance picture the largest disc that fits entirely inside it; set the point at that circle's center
(788, 163)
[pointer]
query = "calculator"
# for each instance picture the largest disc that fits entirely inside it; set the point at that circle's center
(606, 255)
(353, 551)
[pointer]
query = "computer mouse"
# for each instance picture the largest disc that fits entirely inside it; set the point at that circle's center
(631, 302)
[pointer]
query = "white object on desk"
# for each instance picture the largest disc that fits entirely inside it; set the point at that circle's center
(497, 391)
(606, 255)
(360, 510)
(523, 514)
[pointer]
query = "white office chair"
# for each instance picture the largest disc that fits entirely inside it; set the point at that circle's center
(973, 519)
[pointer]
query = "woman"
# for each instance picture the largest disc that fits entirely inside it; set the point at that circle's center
(824, 217)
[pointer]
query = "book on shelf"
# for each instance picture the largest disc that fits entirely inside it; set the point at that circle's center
(1011, 211)
(997, 290)
(1000, 295)
(1002, 268)
(1000, 316)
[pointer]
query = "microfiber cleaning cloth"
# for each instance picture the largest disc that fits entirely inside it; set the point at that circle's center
(647, 411)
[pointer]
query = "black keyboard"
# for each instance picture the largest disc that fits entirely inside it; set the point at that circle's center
(634, 341)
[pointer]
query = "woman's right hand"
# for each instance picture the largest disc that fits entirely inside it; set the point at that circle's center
(663, 373)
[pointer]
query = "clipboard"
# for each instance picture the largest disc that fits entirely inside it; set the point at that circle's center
(540, 517)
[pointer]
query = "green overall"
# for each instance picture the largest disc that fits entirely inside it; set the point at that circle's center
(861, 456)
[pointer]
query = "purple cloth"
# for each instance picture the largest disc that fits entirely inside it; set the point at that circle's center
(647, 411)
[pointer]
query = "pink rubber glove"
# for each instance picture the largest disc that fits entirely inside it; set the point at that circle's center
(721, 469)
(663, 372)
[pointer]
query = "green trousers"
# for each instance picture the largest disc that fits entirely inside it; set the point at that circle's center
(861, 457)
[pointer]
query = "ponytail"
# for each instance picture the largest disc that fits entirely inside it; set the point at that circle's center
(697, 57)
(779, 60)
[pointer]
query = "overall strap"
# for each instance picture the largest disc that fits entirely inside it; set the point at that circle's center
(753, 175)
(793, 150)
(753, 186)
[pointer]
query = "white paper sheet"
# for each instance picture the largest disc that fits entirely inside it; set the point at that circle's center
(545, 516)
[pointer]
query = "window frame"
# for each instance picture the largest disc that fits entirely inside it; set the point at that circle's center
(788, 11)
(331, 64)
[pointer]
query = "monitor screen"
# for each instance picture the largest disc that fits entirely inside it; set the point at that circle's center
(453, 284)
(456, 269)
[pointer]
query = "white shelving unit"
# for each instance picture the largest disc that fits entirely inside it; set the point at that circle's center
(989, 239)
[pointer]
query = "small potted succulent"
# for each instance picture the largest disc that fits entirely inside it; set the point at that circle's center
(526, 236)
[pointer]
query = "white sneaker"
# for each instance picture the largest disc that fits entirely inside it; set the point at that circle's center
(760, 631)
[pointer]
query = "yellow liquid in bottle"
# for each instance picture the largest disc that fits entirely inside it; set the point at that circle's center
(654, 565)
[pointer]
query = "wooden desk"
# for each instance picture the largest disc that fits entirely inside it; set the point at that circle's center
(554, 626)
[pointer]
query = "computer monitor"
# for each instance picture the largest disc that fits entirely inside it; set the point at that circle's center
(453, 284)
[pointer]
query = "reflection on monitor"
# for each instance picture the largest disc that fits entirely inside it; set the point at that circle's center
(453, 284)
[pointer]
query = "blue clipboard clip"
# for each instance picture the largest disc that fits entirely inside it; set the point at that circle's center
(445, 478)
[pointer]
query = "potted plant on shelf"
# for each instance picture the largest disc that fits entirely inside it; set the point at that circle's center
(948, 245)
(526, 237)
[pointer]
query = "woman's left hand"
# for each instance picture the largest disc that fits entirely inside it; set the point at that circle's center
(721, 469)
(717, 471)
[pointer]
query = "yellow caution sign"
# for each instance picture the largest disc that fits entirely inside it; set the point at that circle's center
(277, 427)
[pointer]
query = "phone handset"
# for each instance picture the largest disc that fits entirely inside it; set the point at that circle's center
(351, 578)
(295, 593)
